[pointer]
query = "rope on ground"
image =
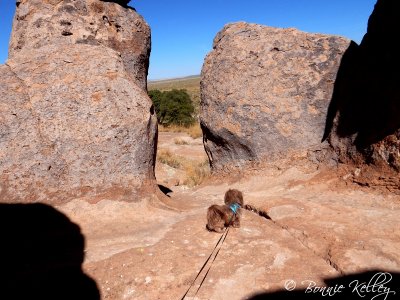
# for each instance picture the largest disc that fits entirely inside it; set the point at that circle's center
(219, 243)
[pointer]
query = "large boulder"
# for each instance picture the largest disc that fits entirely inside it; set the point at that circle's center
(265, 93)
(38, 23)
(363, 120)
(73, 120)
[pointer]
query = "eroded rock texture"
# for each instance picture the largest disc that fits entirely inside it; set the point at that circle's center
(265, 93)
(75, 117)
(363, 120)
(38, 23)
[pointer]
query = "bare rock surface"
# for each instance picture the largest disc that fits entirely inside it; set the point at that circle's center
(319, 229)
(265, 93)
(74, 122)
(38, 23)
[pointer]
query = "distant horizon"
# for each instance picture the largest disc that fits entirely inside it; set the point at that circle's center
(173, 78)
(183, 31)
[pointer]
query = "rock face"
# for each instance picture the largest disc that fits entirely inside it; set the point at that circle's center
(38, 23)
(73, 120)
(265, 93)
(363, 120)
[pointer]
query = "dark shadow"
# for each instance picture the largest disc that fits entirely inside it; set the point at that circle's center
(123, 3)
(366, 95)
(41, 255)
(165, 190)
(340, 91)
(366, 285)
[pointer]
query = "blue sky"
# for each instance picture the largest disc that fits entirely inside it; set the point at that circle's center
(183, 30)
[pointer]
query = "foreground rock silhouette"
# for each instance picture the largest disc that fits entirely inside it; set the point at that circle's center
(41, 255)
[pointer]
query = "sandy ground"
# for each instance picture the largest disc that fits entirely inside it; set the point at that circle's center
(184, 147)
(320, 228)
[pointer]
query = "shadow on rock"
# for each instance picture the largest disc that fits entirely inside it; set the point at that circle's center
(366, 285)
(123, 3)
(41, 255)
(365, 105)
(165, 190)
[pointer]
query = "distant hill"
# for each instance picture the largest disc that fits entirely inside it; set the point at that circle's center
(166, 80)
(189, 83)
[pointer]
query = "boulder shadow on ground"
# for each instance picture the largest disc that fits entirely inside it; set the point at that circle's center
(41, 255)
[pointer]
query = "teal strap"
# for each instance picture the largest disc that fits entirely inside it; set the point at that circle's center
(234, 207)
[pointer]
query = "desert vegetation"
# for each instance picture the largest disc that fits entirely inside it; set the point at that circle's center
(191, 86)
(196, 171)
(194, 130)
(176, 112)
(173, 107)
(176, 102)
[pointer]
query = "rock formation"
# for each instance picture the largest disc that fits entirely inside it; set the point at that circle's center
(38, 23)
(265, 93)
(363, 120)
(75, 117)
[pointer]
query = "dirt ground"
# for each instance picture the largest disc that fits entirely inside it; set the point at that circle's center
(320, 228)
(182, 147)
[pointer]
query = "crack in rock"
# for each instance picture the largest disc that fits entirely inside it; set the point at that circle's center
(327, 258)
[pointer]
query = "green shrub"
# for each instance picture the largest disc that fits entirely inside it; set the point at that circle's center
(173, 107)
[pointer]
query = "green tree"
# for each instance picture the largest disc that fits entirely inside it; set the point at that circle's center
(173, 107)
(155, 96)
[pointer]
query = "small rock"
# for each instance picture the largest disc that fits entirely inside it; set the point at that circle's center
(357, 172)
(347, 176)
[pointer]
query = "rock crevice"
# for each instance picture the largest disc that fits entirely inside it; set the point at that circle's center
(328, 257)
